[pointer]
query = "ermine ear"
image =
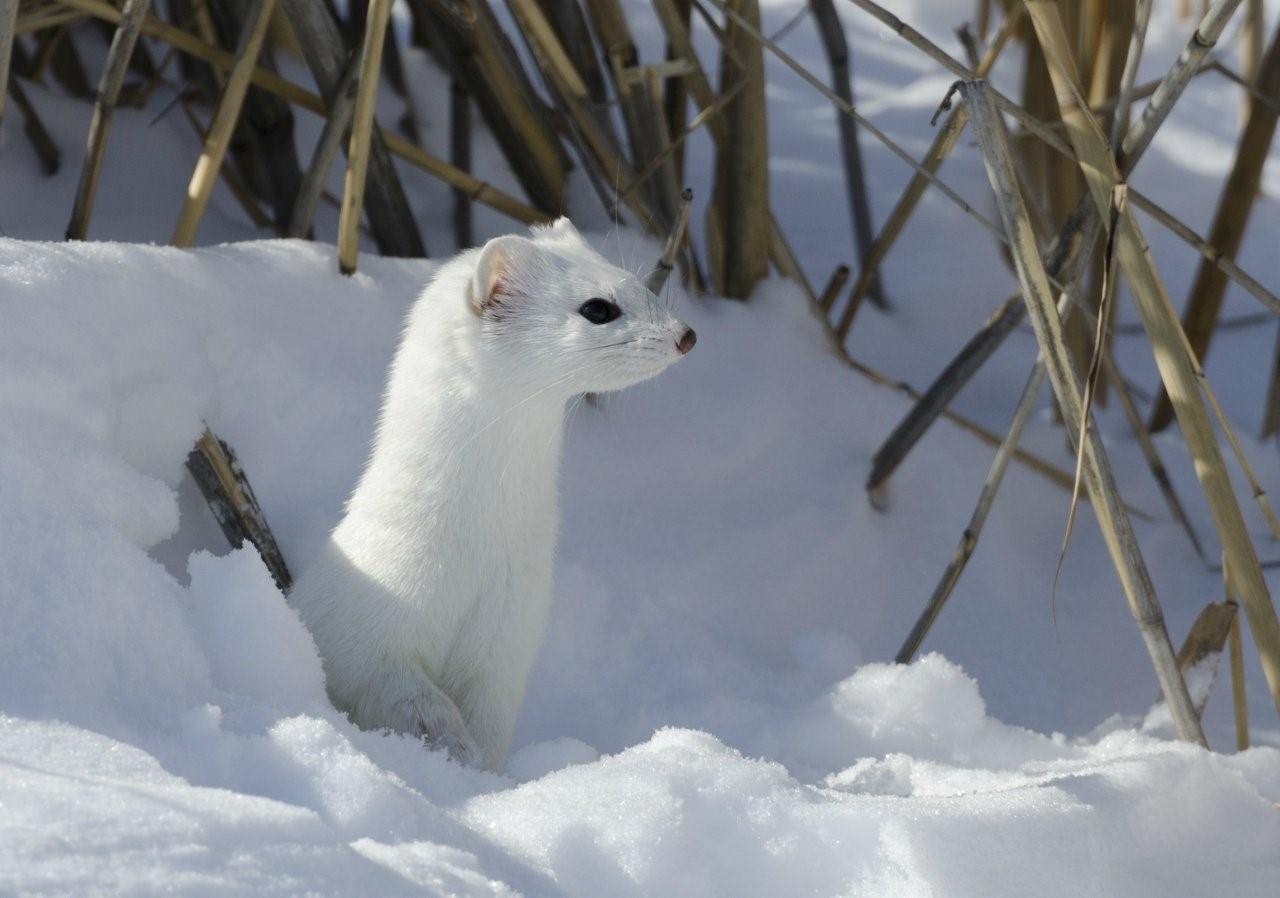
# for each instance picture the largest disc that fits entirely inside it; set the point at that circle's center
(563, 227)
(493, 281)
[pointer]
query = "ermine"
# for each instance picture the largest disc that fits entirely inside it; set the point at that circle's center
(429, 601)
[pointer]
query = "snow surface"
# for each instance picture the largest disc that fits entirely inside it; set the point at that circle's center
(711, 714)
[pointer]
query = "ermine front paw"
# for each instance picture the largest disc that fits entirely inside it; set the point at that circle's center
(437, 722)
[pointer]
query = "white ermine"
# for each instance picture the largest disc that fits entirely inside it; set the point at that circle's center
(429, 601)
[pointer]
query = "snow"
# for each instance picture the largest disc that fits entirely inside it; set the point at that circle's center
(711, 714)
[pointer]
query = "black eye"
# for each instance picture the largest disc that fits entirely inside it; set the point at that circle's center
(599, 311)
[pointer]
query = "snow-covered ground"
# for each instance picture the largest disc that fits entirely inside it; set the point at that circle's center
(712, 714)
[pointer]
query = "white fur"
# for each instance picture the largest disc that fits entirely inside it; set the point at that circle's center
(429, 601)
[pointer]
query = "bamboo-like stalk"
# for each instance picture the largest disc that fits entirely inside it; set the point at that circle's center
(104, 106)
(58, 54)
(649, 140)
(827, 298)
(262, 145)
(1271, 413)
(831, 30)
(1138, 40)
(1203, 39)
(391, 221)
(676, 99)
(335, 128)
(893, 146)
(1231, 218)
(977, 519)
(960, 370)
(460, 156)
(668, 152)
(480, 191)
(240, 191)
(943, 143)
(41, 141)
(667, 262)
(1170, 88)
(1239, 703)
(995, 475)
(375, 34)
(737, 239)
(569, 88)
(1108, 509)
(1172, 359)
(224, 122)
(8, 28)
(1251, 39)
(473, 50)
(1085, 218)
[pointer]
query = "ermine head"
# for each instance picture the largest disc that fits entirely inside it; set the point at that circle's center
(574, 319)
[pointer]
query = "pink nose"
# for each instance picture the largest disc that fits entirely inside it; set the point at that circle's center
(686, 341)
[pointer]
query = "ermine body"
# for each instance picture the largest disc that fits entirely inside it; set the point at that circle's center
(429, 601)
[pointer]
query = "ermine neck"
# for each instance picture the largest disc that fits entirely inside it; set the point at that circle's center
(461, 454)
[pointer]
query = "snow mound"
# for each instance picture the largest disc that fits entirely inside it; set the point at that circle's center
(163, 723)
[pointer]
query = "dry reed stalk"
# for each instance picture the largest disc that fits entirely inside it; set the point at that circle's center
(223, 124)
(1172, 359)
(669, 151)
(1072, 244)
(827, 298)
(704, 97)
(8, 28)
(984, 18)
(1207, 636)
(1249, 87)
(1271, 413)
(836, 46)
(335, 128)
(1251, 39)
(394, 228)
(42, 17)
(947, 137)
(649, 138)
(667, 262)
(568, 21)
(460, 156)
(480, 191)
(569, 88)
(1203, 39)
(893, 146)
(474, 52)
(1150, 454)
(995, 475)
(225, 487)
(1206, 641)
(737, 216)
(262, 145)
(1170, 88)
(375, 34)
(57, 53)
(1050, 472)
(676, 99)
(41, 141)
(977, 519)
(1239, 703)
(240, 191)
(104, 106)
(1125, 95)
(1084, 219)
(1108, 508)
(1231, 218)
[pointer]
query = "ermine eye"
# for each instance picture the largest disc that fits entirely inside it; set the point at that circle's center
(599, 311)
